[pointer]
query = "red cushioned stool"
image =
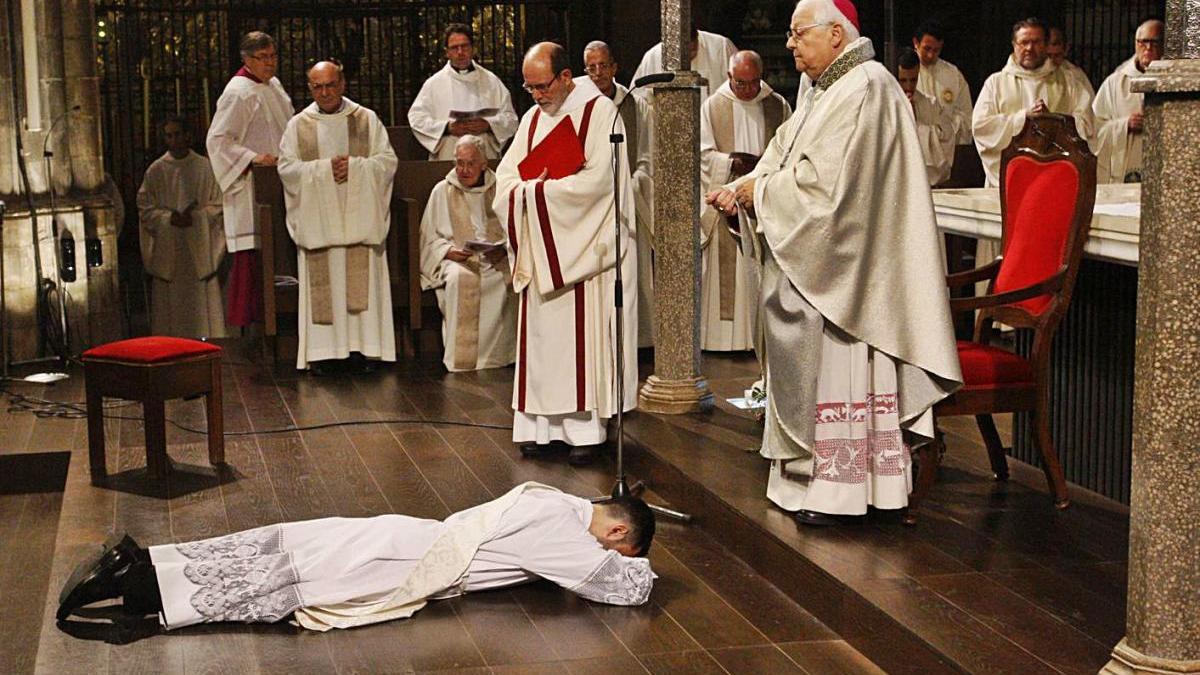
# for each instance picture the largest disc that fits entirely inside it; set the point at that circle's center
(152, 370)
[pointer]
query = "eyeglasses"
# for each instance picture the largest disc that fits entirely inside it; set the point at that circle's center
(744, 84)
(795, 33)
(1149, 42)
(595, 68)
(316, 88)
(273, 56)
(539, 88)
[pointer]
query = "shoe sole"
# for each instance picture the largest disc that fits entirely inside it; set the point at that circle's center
(85, 567)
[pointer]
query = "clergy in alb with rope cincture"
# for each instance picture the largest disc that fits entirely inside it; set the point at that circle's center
(858, 338)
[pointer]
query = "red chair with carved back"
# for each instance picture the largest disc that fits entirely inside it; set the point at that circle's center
(1047, 191)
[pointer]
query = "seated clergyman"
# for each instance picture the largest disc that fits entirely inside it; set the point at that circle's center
(345, 572)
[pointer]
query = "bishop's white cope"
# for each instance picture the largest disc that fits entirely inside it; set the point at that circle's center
(345, 572)
(479, 309)
(339, 230)
(1118, 152)
(858, 338)
(729, 287)
(185, 295)
(561, 244)
(450, 90)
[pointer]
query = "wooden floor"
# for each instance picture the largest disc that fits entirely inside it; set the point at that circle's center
(709, 612)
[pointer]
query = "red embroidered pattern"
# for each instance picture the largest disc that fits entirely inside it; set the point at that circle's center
(847, 460)
(831, 412)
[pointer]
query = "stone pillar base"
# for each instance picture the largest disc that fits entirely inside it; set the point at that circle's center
(1128, 661)
(675, 397)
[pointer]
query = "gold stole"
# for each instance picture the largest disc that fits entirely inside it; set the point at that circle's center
(358, 257)
(721, 117)
(466, 336)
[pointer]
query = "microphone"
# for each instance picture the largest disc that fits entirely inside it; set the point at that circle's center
(61, 116)
(654, 78)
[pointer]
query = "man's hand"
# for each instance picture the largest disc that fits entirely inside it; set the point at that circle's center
(723, 200)
(265, 159)
(458, 255)
(1136, 121)
(1039, 108)
(745, 196)
(341, 168)
(742, 163)
(545, 173)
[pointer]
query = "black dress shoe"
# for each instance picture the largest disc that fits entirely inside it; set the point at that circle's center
(815, 519)
(120, 544)
(539, 449)
(96, 578)
(582, 455)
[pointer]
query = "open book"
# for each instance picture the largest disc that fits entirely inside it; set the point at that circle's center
(467, 114)
(482, 247)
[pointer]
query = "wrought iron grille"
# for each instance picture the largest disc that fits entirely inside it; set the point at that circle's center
(164, 57)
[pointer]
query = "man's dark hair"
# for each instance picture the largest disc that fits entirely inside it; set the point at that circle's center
(255, 41)
(932, 28)
(184, 125)
(640, 519)
(459, 28)
(1031, 22)
(909, 60)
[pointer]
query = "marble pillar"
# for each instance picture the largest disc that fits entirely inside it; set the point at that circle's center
(82, 92)
(676, 386)
(9, 179)
(50, 130)
(1162, 627)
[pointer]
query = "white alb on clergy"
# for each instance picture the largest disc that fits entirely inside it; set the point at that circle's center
(249, 121)
(1118, 152)
(855, 313)
(339, 230)
(185, 295)
(638, 120)
(711, 61)
(347, 572)
(562, 252)
(729, 289)
(451, 93)
(936, 127)
(479, 309)
(944, 83)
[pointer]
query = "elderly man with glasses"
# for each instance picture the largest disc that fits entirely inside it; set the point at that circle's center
(1118, 111)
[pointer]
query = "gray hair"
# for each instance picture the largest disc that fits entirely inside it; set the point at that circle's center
(597, 45)
(473, 140)
(825, 12)
(746, 55)
(255, 41)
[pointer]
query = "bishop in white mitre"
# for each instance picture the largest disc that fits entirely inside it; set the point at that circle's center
(251, 115)
(561, 237)
(337, 164)
(462, 98)
(941, 80)
(464, 260)
(1119, 122)
(736, 124)
(182, 239)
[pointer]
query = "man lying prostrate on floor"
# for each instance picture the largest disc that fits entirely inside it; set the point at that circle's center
(345, 572)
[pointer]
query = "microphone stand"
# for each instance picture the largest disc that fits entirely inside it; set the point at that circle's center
(3, 302)
(621, 487)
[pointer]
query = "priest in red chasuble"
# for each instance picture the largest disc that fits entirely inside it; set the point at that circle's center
(554, 192)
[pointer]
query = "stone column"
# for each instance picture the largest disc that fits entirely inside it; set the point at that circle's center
(1162, 626)
(82, 90)
(54, 102)
(676, 386)
(9, 180)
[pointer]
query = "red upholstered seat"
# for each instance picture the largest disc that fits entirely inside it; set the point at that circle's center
(984, 366)
(153, 349)
(1040, 208)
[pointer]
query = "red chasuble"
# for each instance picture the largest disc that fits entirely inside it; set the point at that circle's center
(560, 153)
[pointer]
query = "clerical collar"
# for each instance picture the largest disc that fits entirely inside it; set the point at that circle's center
(469, 69)
(333, 112)
(857, 53)
(245, 72)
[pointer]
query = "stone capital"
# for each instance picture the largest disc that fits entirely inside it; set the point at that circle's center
(1128, 661)
(1181, 76)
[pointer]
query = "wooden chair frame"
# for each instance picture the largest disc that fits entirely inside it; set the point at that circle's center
(1044, 139)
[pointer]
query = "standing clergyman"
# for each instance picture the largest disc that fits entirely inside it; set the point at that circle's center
(941, 80)
(856, 320)
(251, 115)
(463, 258)
(1119, 122)
(935, 122)
(337, 164)
(555, 186)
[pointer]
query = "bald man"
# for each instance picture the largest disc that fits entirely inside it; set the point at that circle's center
(560, 220)
(336, 164)
(736, 124)
(1118, 111)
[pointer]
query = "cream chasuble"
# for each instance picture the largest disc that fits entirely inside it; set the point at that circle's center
(479, 309)
(348, 572)
(339, 230)
(635, 115)
(185, 296)
(249, 121)
(944, 83)
(1118, 152)
(729, 282)
(562, 252)
(448, 91)
(858, 338)
(711, 61)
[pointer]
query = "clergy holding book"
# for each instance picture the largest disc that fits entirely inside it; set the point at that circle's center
(336, 164)
(554, 188)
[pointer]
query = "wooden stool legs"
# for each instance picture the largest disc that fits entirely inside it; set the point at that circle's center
(216, 418)
(95, 422)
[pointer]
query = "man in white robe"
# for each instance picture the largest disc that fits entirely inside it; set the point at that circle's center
(346, 572)
(736, 124)
(561, 238)
(463, 258)
(337, 164)
(935, 122)
(940, 80)
(856, 321)
(710, 54)
(1119, 124)
(182, 239)
(601, 67)
(251, 115)
(1056, 50)
(462, 98)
